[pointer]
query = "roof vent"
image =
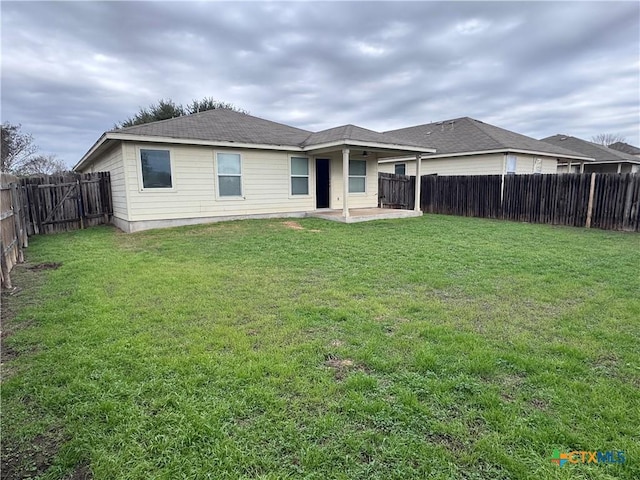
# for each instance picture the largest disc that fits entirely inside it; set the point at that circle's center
(428, 133)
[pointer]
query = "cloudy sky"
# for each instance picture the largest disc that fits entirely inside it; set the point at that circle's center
(70, 70)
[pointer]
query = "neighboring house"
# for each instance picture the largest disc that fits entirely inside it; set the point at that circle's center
(465, 146)
(220, 164)
(607, 160)
(626, 148)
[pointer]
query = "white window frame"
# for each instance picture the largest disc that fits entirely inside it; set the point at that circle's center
(395, 165)
(515, 164)
(216, 176)
(308, 177)
(141, 187)
(358, 176)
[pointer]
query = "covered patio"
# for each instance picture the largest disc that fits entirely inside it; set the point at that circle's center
(352, 154)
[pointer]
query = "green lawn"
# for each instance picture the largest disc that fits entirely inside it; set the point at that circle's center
(434, 347)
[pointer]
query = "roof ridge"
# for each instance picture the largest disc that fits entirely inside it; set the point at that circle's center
(155, 122)
(191, 115)
(475, 123)
(438, 122)
(348, 130)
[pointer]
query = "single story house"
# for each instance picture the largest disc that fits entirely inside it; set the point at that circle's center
(626, 148)
(606, 160)
(465, 146)
(220, 165)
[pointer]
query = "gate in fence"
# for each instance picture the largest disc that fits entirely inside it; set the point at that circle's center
(48, 204)
(66, 202)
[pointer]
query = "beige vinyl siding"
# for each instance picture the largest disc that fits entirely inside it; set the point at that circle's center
(526, 164)
(488, 164)
(111, 162)
(367, 199)
(265, 185)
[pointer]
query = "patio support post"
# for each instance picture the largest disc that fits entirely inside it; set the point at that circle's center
(416, 205)
(345, 182)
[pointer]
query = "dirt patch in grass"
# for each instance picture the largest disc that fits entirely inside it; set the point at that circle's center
(296, 226)
(448, 441)
(81, 472)
(30, 459)
(45, 266)
(606, 364)
(340, 366)
(539, 404)
(293, 225)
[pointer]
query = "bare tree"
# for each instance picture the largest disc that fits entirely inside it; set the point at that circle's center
(17, 147)
(41, 165)
(607, 139)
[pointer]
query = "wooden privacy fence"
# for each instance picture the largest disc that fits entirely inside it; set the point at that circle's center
(396, 191)
(13, 232)
(49, 204)
(58, 203)
(601, 200)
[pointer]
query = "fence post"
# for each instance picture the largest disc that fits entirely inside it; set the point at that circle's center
(592, 189)
(4, 268)
(17, 220)
(80, 204)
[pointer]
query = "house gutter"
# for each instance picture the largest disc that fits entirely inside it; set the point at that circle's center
(480, 152)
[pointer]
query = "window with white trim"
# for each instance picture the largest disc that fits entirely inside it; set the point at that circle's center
(156, 168)
(299, 176)
(229, 170)
(512, 161)
(400, 168)
(357, 176)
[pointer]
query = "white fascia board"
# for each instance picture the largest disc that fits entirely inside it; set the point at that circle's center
(613, 162)
(483, 152)
(90, 152)
(359, 143)
(212, 143)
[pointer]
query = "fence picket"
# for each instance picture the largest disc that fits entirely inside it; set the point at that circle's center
(558, 199)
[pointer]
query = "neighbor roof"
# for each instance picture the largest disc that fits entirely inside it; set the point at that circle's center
(599, 152)
(626, 148)
(466, 135)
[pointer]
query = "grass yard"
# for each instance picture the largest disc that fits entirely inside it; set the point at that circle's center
(436, 347)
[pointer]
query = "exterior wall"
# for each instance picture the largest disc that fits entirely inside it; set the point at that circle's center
(265, 185)
(368, 199)
(112, 162)
(487, 164)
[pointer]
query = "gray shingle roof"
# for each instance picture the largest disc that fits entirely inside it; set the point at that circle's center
(466, 134)
(626, 148)
(229, 126)
(589, 149)
(223, 126)
(355, 133)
